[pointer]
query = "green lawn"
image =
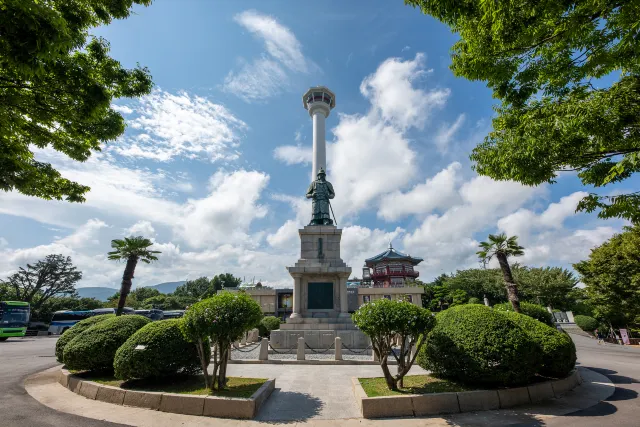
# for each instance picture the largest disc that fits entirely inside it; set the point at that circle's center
(184, 384)
(414, 384)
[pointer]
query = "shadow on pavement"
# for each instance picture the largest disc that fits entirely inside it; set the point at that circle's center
(289, 406)
(616, 379)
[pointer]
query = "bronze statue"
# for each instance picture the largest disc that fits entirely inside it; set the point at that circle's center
(320, 191)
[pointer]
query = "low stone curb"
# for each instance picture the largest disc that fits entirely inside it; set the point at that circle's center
(210, 406)
(306, 362)
(466, 401)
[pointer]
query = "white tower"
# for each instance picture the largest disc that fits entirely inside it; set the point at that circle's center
(319, 101)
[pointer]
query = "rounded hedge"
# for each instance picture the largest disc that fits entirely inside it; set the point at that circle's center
(74, 331)
(268, 324)
(536, 311)
(474, 300)
(474, 344)
(94, 349)
(586, 323)
(558, 349)
(166, 352)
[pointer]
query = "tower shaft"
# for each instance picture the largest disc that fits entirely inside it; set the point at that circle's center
(319, 143)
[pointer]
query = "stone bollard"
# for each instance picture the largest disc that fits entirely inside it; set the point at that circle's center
(235, 344)
(301, 348)
(264, 349)
(338, 346)
(243, 341)
(229, 353)
(375, 356)
(413, 351)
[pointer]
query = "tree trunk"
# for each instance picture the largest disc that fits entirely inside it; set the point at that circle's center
(222, 376)
(125, 286)
(203, 362)
(512, 288)
(215, 367)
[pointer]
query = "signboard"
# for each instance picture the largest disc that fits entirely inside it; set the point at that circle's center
(320, 296)
(625, 336)
(285, 301)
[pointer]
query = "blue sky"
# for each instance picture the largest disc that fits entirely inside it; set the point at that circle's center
(215, 162)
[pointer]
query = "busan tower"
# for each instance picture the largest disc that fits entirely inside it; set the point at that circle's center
(319, 101)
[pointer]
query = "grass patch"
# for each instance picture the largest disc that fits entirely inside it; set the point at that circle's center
(413, 384)
(182, 384)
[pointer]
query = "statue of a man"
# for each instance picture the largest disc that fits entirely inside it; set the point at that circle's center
(320, 191)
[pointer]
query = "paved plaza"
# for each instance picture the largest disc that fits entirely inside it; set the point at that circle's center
(307, 394)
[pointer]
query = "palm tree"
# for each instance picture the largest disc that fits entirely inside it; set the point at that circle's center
(132, 249)
(502, 247)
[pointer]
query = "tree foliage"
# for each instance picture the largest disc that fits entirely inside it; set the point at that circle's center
(224, 318)
(586, 323)
(547, 61)
(130, 249)
(198, 288)
(55, 275)
(56, 89)
(534, 311)
(165, 352)
(476, 345)
(385, 321)
(612, 278)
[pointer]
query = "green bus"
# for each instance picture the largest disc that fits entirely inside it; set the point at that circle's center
(14, 319)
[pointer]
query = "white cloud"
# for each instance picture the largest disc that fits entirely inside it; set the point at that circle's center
(141, 228)
(227, 212)
(286, 236)
(293, 154)
(84, 235)
(123, 109)
(3, 242)
(438, 192)
(359, 243)
(168, 126)
(272, 71)
(446, 133)
(394, 97)
(524, 221)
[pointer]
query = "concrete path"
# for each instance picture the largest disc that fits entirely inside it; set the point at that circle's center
(19, 358)
(44, 388)
(310, 391)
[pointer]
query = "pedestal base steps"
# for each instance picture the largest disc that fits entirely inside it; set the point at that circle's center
(211, 406)
(319, 333)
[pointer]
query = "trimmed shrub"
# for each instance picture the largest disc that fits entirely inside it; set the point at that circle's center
(558, 349)
(95, 348)
(536, 311)
(268, 324)
(586, 323)
(74, 331)
(166, 352)
(474, 300)
(474, 344)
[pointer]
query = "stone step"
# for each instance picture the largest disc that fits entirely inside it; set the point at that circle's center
(318, 326)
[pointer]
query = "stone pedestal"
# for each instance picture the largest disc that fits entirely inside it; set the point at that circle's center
(320, 311)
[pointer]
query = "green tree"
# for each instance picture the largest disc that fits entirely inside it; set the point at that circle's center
(612, 278)
(503, 247)
(168, 302)
(481, 282)
(132, 249)
(383, 321)
(225, 280)
(546, 62)
(225, 317)
(55, 275)
(56, 89)
(198, 288)
(144, 292)
(549, 286)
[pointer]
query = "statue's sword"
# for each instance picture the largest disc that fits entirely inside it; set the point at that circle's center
(334, 215)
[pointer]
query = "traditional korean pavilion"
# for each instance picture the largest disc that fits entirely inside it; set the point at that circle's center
(390, 269)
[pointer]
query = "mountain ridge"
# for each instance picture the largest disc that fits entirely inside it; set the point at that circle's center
(102, 293)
